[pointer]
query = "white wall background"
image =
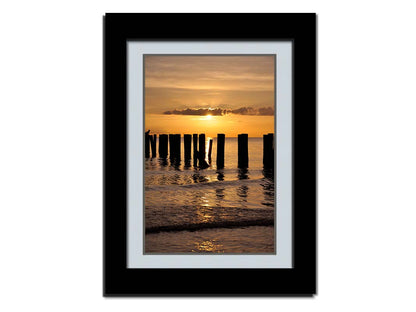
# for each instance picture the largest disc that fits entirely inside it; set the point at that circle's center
(51, 146)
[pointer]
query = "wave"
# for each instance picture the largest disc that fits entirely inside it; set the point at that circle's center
(207, 184)
(209, 225)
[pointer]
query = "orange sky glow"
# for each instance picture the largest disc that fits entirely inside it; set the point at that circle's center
(210, 94)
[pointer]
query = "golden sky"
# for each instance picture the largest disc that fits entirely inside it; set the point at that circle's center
(210, 94)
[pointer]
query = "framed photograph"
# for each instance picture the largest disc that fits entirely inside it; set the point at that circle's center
(209, 154)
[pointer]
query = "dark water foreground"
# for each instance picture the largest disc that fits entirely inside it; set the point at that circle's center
(188, 210)
(252, 239)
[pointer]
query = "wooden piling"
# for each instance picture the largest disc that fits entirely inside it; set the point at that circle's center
(243, 150)
(268, 150)
(272, 135)
(195, 139)
(265, 150)
(220, 150)
(163, 145)
(187, 141)
(202, 152)
(171, 146)
(153, 140)
(178, 147)
(146, 145)
(209, 150)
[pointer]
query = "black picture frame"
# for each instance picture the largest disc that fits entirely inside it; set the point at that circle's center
(300, 28)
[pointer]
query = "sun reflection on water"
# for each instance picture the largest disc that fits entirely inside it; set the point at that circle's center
(208, 246)
(205, 213)
(205, 202)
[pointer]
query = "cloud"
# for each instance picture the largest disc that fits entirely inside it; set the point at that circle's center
(262, 111)
(266, 111)
(197, 112)
(249, 111)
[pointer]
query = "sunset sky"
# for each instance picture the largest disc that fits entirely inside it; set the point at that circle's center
(210, 94)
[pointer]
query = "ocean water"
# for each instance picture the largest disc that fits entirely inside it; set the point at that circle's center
(192, 210)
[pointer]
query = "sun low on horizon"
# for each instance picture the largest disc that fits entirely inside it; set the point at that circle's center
(210, 94)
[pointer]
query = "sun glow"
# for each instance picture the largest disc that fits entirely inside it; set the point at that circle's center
(206, 117)
(231, 125)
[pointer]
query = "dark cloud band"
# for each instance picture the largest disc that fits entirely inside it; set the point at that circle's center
(249, 111)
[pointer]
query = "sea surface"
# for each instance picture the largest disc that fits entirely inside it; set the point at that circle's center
(192, 210)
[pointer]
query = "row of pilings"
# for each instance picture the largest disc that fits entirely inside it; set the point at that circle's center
(170, 145)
